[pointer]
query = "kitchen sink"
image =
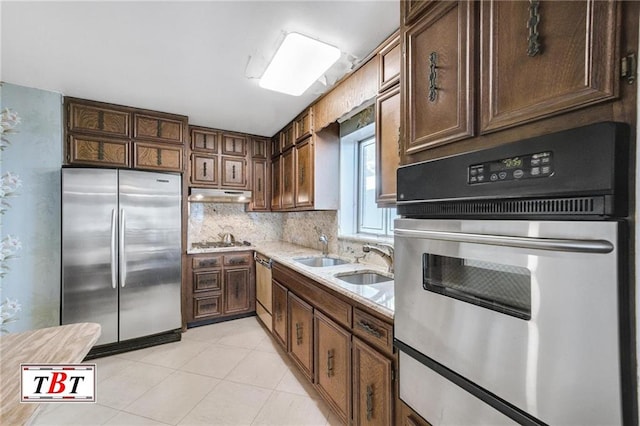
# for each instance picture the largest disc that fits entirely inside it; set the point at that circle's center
(363, 278)
(319, 262)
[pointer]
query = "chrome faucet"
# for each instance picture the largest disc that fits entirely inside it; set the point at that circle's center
(325, 244)
(387, 256)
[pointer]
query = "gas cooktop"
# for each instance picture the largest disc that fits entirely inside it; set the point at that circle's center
(220, 244)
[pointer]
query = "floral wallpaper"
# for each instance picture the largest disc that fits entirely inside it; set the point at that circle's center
(31, 156)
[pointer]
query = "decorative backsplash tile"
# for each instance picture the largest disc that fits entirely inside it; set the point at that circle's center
(208, 220)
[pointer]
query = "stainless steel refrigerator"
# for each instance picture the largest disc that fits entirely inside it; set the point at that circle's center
(121, 251)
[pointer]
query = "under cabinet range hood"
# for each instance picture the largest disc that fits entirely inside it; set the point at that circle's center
(207, 195)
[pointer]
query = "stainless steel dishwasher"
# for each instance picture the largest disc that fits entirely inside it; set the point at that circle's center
(263, 288)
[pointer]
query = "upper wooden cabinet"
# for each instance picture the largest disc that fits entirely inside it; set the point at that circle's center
(438, 75)
(204, 140)
(389, 65)
(276, 183)
(101, 134)
(260, 148)
(566, 61)
(304, 177)
(287, 137)
(233, 144)
(303, 125)
(542, 67)
(288, 173)
(260, 185)
(91, 118)
(158, 128)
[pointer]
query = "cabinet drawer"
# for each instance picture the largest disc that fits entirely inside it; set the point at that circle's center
(206, 306)
(207, 262)
(157, 157)
(156, 128)
(372, 330)
(207, 281)
(99, 151)
(90, 118)
(237, 259)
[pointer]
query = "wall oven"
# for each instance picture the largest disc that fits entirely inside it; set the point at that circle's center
(512, 299)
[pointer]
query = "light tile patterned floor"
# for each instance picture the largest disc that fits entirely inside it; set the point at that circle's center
(229, 373)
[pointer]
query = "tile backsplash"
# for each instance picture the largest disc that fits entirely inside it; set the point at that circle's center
(207, 220)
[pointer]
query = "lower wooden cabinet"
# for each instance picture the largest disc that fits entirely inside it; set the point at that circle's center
(301, 333)
(279, 315)
(219, 285)
(408, 417)
(346, 352)
(372, 386)
(333, 364)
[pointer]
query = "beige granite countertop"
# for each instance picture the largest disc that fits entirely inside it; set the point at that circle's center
(378, 297)
(193, 250)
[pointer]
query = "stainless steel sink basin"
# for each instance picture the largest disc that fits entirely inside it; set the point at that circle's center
(319, 262)
(363, 278)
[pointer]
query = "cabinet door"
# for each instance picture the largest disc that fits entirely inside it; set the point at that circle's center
(301, 334)
(259, 200)
(287, 137)
(234, 145)
(237, 290)
(408, 417)
(304, 173)
(410, 9)
(372, 386)
(387, 146)
(279, 305)
(204, 140)
(275, 146)
(97, 119)
(303, 125)
(288, 179)
(158, 128)
(438, 76)
(157, 157)
(276, 184)
(98, 151)
(234, 172)
(206, 306)
(333, 364)
(389, 65)
(565, 61)
(207, 281)
(259, 148)
(204, 169)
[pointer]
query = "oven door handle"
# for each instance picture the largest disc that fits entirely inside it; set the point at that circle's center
(552, 244)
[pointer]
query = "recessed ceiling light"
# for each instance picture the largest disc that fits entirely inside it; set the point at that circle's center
(297, 64)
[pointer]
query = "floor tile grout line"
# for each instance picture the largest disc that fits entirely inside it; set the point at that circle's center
(201, 399)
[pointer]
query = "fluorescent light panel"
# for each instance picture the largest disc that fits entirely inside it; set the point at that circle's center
(297, 64)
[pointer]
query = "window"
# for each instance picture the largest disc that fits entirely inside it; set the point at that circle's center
(371, 219)
(359, 213)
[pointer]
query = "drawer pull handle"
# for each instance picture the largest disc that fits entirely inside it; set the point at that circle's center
(330, 363)
(534, 46)
(237, 261)
(433, 90)
(204, 169)
(298, 333)
(370, 329)
(369, 402)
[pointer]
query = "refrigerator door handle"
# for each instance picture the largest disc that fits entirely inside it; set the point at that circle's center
(123, 260)
(114, 256)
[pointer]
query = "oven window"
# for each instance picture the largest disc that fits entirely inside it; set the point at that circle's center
(502, 288)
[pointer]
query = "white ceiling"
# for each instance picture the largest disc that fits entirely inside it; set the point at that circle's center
(190, 58)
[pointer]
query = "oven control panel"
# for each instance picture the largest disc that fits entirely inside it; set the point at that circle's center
(514, 168)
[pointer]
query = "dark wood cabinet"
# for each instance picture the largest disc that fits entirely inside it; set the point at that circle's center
(260, 148)
(204, 140)
(372, 386)
(234, 144)
(98, 150)
(287, 137)
(101, 134)
(279, 315)
(438, 79)
(300, 317)
(412, 8)
(387, 146)
(288, 165)
(204, 169)
(158, 128)
(389, 65)
(565, 62)
(276, 183)
(156, 156)
(333, 365)
(304, 166)
(303, 125)
(234, 172)
(91, 118)
(260, 194)
(408, 417)
(219, 286)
